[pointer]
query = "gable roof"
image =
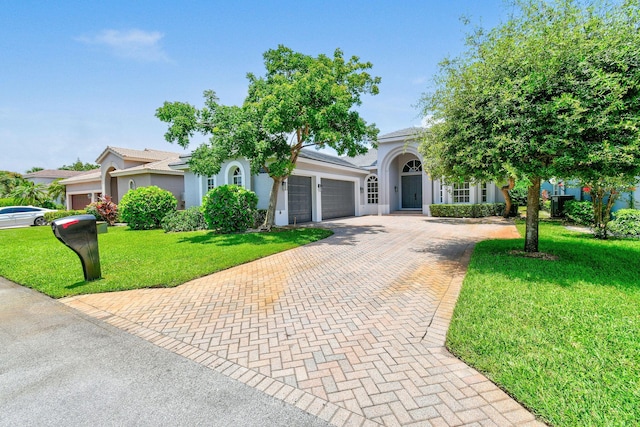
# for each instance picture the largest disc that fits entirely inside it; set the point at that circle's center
(146, 155)
(52, 173)
(160, 166)
(87, 176)
(406, 133)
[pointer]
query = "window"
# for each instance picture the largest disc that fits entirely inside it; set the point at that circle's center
(211, 183)
(412, 166)
(461, 192)
(237, 176)
(132, 185)
(372, 189)
(442, 190)
(483, 192)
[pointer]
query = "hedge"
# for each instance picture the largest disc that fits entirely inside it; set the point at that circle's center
(52, 216)
(477, 210)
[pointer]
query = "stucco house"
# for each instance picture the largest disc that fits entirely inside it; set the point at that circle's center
(122, 169)
(387, 179)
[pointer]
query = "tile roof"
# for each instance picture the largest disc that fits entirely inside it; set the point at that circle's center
(370, 158)
(52, 173)
(407, 132)
(146, 154)
(157, 166)
(88, 176)
(327, 158)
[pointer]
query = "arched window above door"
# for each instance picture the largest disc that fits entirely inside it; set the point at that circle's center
(412, 166)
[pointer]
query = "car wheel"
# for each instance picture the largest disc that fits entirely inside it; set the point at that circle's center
(40, 221)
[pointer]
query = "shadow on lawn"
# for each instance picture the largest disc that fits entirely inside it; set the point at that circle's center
(582, 259)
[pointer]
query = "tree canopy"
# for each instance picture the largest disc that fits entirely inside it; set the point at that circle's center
(555, 91)
(301, 101)
(79, 166)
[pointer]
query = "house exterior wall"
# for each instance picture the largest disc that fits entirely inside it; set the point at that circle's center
(172, 183)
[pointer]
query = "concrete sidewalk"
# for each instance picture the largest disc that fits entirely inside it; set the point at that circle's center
(350, 329)
(59, 367)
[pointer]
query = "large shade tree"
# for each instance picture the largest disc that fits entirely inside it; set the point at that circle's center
(552, 92)
(301, 101)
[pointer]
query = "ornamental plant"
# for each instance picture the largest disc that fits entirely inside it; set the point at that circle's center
(144, 207)
(229, 208)
(190, 219)
(104, 210)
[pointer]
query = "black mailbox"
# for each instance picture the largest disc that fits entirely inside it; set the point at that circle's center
(79, 232)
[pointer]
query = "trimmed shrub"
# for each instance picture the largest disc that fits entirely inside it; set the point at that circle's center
(229, 208)
(51, 216)
(626, 223)
(467, 210)
(191, 219)
(144, 207)
(580, 212)
(104, 210)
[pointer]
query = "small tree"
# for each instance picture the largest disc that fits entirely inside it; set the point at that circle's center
(29, 193)
(604, 192)
(144, 207)
(552, 92)
(302, 101)
(56, 191)
(104, 209)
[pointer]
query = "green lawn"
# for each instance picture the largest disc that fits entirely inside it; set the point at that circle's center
(563, 336)
(135, 259)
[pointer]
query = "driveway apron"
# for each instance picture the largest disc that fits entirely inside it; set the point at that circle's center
(350, 329)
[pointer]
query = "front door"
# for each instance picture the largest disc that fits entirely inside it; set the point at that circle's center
(412, 192)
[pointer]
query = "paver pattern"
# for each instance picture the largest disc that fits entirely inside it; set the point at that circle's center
(350, 329)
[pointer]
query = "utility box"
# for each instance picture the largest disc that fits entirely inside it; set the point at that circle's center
(557, 204)
(79, 232)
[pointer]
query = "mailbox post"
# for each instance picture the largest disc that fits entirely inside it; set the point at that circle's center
(79, 232)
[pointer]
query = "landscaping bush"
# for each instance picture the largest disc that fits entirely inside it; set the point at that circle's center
(7, 202)
(52, 216)
(626, 223)
(144, 207)
(229, 208)
(104, 210)
(191, 219)
(467, 210)
(519, 193)
(580, 212)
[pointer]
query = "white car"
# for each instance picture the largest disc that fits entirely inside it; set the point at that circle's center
(14, 216)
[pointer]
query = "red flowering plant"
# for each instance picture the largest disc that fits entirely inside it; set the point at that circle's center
(104, 209)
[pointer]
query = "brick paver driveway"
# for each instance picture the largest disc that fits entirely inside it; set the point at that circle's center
(350, 329)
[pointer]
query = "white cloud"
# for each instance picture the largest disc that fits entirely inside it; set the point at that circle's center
(132, 44)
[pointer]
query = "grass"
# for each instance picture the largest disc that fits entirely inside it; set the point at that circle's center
(130, 259)
(562, 337)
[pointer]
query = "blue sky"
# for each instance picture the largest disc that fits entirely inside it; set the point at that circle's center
(77, 76)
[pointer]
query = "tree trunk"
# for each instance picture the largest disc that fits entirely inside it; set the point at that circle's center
(533, 211)
(507, 197)
(270, 217)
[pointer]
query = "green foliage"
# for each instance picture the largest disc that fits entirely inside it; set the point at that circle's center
(229, 208)
(104, 210)
(51, 216)
(133, 260)
(580, 212)
(56, 191)
(79, 166)
(626, 223)
(467, 210)
(8, 181)
(552, 92)
(144, 207)
(29, 193)
(7, 202)
(301, 101)
(191, 219)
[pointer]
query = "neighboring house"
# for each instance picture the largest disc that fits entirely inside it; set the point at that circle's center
(47, 176)
(122, 169)
(573, 188)
(322, 186)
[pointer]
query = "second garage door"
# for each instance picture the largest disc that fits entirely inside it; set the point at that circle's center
(338, 198)
(299, 195)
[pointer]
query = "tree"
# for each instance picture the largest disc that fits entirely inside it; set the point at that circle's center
(552, 92)
(34, 169)
(56, 191)
(301, 101)
(8, 181)
(29, 193)
(79, 166)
